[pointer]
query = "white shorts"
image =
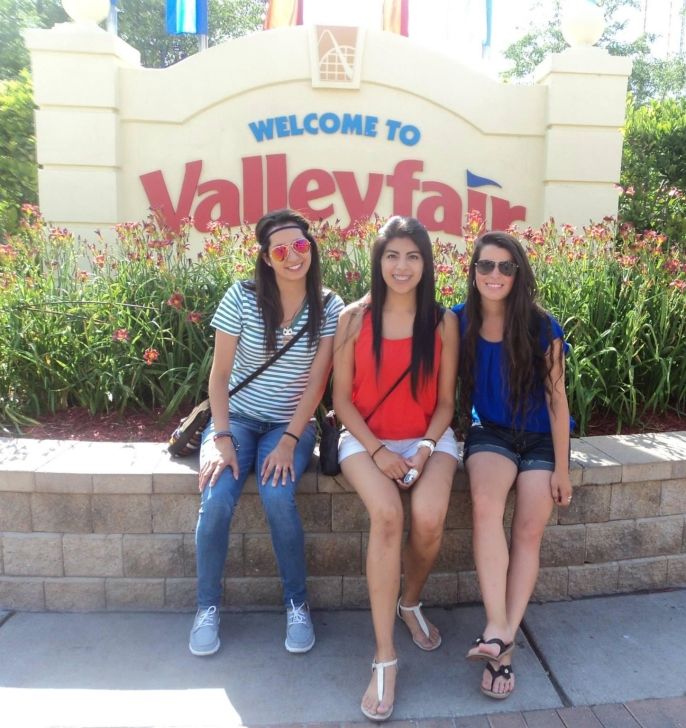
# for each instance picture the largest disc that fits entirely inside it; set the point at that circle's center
(349, 445)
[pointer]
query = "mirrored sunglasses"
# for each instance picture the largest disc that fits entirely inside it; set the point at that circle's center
(279, 253)
(506, 267)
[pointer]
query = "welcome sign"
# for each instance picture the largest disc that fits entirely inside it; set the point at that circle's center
(265, 185)
(339, 123)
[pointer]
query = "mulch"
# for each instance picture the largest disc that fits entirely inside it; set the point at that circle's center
(77, 423)
(606, 424)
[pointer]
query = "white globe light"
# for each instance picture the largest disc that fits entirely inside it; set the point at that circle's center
(87, 11)
(582, 23)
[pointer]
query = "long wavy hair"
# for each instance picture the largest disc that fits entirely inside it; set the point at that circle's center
(428, 312)
(527, 367)
(268, 298)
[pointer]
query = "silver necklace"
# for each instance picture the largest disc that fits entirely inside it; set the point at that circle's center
(287, 330)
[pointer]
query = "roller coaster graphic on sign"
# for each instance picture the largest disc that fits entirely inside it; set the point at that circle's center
(337, 63)
(335, 53)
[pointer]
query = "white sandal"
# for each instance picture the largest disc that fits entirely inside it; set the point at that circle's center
(417, 611)
(379, 668)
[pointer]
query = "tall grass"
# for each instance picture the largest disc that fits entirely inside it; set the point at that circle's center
(113, 327)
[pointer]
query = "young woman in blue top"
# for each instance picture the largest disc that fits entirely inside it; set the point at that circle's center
(512, 382)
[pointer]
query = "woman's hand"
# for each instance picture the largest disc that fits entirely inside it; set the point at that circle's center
(390, 464)
(222, 456)
(279, 463)
(561, 487)
(417, 461)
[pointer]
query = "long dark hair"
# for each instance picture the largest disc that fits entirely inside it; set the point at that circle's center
(527, 367)
(428, 312)
(268, 298)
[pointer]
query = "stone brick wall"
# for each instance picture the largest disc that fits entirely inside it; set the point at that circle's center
(96, 526)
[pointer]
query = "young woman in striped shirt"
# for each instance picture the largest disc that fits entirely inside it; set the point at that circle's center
(267, 427)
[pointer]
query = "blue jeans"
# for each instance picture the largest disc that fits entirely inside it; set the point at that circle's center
(256, 440)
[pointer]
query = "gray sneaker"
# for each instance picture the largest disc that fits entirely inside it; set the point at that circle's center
(205, 633)
(299, 629)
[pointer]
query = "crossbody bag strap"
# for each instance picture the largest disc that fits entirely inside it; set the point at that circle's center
(385, 397)
(395, 384)
(274, 357)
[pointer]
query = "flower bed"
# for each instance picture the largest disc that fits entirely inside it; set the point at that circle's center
(122, 327)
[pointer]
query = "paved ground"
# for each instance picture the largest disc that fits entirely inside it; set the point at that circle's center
(613, 662)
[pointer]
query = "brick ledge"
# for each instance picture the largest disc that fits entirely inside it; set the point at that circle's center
(28, 465)
(93, 526)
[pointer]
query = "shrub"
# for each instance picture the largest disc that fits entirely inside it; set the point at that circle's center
(17, 150)
(111, 327)
(654, 168)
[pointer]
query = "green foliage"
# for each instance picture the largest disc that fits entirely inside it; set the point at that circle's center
(17, 150)
(15, 16)
(654, 168)
(111, 327)
(540, 41)
(657, 79)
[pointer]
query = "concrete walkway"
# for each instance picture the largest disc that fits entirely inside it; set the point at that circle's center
(611, 661)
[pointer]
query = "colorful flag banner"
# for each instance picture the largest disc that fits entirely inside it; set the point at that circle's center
(489, 26)
(396, 16)
(187, 16)
(282, 13)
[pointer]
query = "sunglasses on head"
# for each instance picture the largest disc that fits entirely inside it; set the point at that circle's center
(279, 253)
(506, 267)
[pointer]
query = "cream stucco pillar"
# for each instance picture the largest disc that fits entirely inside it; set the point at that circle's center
(75, 75)
(586, 90)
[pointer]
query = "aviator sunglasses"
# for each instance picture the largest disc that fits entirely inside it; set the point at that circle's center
(506, 267)
(279, 253)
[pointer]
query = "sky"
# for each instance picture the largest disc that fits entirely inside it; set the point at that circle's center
(457, 27)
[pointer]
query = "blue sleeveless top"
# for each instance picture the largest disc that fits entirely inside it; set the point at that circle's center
(490, 399)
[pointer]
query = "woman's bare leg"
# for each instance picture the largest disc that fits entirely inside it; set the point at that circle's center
(429, 499)
(381, 498)
(490, 478)
(533, 505)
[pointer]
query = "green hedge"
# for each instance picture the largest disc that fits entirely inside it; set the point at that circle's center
(654, 168)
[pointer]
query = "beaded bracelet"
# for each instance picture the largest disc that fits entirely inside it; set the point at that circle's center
(226, 433)
(290, 434)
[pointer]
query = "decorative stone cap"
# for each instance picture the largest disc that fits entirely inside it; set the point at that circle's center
(87, 11)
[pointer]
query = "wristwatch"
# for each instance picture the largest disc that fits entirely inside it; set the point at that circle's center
(427, 443)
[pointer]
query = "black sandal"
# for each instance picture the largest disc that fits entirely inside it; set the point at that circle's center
(505, 671)
(505, 649)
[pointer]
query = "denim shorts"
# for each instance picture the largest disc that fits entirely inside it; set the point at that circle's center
(527, 450)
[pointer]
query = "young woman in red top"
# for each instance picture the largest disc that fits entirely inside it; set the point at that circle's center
(400, 439)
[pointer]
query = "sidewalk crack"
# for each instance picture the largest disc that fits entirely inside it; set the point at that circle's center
(564, 698)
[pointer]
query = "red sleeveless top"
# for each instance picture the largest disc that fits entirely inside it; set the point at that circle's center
(400, 416)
